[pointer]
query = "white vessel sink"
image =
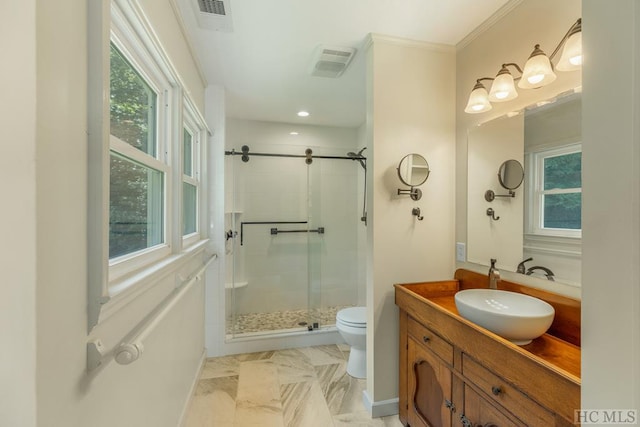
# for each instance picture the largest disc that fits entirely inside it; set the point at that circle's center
(517, 317)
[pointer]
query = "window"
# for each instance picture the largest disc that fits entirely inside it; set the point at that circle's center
(556, 191)
(138, 170)
(190, 176)
(191, 180)
(154, 180)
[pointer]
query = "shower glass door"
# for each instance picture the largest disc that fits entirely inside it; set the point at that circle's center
(291, 241)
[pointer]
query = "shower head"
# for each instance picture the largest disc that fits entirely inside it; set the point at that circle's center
(358, 154)
(359, 157)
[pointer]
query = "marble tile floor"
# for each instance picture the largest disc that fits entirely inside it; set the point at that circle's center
(282, 320)
(304, 387)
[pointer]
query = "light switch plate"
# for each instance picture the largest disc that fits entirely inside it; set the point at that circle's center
(461, 252)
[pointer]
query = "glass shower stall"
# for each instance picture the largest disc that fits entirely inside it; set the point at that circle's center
(294, 225)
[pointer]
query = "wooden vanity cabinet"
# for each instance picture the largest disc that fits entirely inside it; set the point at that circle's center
(438, 395)
(453, 375)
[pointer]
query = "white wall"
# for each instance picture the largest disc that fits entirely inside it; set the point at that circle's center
(410, 105)
(511, 38)
(155, 389)
(18, 218)
(611, 207)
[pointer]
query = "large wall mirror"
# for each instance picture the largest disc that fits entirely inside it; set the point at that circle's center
(539, 231)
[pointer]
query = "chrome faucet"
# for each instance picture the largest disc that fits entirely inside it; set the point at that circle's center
(494, 275)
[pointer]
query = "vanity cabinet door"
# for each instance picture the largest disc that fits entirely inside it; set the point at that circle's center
(429, 388)
(479, 412)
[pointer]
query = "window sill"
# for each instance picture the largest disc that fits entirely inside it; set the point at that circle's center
(125, 290)
(568, 247)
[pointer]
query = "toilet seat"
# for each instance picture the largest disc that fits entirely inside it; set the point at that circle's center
(355, 317)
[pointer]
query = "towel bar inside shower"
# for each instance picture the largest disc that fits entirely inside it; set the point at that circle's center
(319, 230)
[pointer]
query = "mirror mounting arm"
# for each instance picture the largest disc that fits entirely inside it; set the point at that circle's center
(414, 193)
(490, 195)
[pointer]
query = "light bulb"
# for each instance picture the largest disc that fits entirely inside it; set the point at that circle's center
(535, 79)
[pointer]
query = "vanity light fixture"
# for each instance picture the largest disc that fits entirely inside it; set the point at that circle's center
(537, 72)
(303, 114)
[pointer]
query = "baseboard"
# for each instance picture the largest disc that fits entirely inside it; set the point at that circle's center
(192, 390)
(382, 408)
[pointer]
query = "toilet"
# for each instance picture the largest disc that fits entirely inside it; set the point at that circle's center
(352, 324)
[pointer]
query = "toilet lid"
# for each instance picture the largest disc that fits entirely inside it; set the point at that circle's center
(353, 316)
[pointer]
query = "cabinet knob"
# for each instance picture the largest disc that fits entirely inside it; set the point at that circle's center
(496, 390)
(450, 405)
(426, 338)
(465, 421)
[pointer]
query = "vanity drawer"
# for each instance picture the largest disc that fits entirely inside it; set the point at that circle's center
(431, 340)
(505, 394)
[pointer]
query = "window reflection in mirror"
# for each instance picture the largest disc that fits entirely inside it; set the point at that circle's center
(553, 202)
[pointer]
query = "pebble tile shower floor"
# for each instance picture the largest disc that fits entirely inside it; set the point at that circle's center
(282, 320)
(305, 387)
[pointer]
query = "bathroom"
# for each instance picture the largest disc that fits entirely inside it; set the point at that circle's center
(46, 376)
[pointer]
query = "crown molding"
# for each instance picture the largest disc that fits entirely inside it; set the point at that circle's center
(399, 41)
(488, 23)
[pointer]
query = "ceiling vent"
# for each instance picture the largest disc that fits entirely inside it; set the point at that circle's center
(212, 6)
(331, 61)
(213, 14)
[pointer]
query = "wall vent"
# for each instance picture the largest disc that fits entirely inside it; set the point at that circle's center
(212, 6)
(331, 61)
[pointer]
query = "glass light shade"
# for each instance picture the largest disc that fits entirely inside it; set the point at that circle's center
(503, 88)
(571, 58)
(537, 71)
(478, 100)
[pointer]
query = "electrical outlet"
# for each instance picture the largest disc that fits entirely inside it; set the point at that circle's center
(461, 253)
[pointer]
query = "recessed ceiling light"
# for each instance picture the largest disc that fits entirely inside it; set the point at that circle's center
(294, 133)
(303, 113)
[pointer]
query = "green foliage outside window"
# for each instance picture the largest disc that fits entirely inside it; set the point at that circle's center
(563, 210)
(132, 105)
(136, 190)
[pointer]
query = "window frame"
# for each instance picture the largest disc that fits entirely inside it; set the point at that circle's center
(133, 50)
(198, 134)
(536, 192)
